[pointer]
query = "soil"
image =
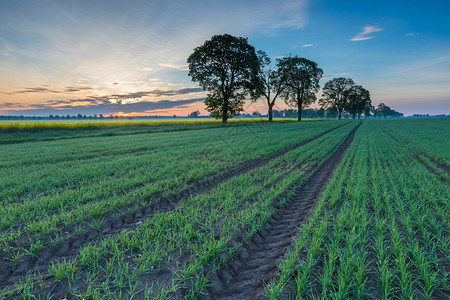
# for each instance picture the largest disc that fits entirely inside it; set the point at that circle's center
(11, 272)
(245, 275)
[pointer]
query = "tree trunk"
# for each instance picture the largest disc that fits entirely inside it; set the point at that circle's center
(270, 112)
(299, 108)
(339, 113)
(225, 111)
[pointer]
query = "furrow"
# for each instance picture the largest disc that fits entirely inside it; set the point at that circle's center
(262, 253)
(10, 271)
(444, 167)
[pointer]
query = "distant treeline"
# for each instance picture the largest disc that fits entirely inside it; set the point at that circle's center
(330, 113)
(79, 117)
(428, 116)
(309, 113)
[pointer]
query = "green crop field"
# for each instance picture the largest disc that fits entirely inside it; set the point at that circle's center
(334, 209)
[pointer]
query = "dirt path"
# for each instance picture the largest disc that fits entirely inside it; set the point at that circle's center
(11, 272)
(245, 275)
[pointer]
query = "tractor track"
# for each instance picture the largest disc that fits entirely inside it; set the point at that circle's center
(12, 271)
(244, 276)
(444, 167)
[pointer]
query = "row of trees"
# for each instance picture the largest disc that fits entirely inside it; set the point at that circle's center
(385, 111)
(320, 113)
(231, 70)
(79, 117)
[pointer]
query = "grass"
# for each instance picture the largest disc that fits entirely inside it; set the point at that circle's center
(63, 184)
(48, 130)
(379, 229)
(45, 125)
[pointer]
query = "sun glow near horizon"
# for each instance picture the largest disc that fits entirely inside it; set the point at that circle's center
(56, 58)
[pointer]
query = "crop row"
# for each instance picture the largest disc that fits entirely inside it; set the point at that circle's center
(100, 186)
(380, 229)
(428, 137)
(164, 254)
(29, 172)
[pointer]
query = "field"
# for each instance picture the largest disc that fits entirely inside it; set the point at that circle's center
(332, 209)
(46, 130)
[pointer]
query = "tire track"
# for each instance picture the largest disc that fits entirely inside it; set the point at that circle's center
(443, 166)
(431, 170)
(244, 276)
(11, 272)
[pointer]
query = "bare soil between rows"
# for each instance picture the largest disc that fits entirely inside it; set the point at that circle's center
(13, 271)
(244, 276)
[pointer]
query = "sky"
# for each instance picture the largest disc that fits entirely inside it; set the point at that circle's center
(129, 57)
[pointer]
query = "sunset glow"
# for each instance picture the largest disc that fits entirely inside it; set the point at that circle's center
(70, 57)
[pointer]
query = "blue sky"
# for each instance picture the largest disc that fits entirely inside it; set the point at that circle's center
(91, 57)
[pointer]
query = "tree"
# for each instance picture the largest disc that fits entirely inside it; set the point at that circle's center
(335, 94)
(383, 110)
(368, 109)
(227, 67)
(303, 77)
(194, 114)
(321, 113)
(273, 80)
(357, 99)
(290, 113)
(331, 113)
(386, 111)
(395, 114)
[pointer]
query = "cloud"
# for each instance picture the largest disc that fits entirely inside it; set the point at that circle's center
(58, 43)
(90, 106)
(35, 90)
(412, 34)
(126, 102)
(343, 74)
(113, 97)
(117, 98)
(370, 29)
(45, 89)
(71, 89)
(293, 12)
(361, 38)
(178, 67)
(308, 45)
(364, 34)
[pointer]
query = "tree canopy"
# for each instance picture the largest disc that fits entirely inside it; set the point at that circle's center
(336, 93)
(386, 111)
(230, 69)
(273, 80)
(358, 98)
(193, 114)
(227, 67)
(303, 77)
